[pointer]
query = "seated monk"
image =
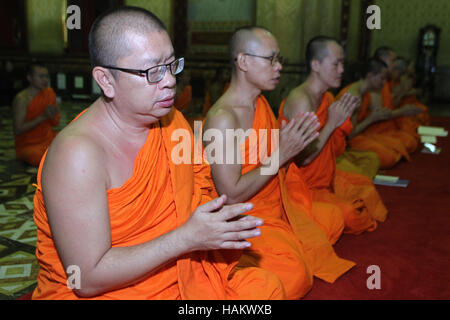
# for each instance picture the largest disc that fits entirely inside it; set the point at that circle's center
(137, 225)
(353, 193)
(291, 245)
(386, 145)
(34, 114)
(407, 134)
(404, 92)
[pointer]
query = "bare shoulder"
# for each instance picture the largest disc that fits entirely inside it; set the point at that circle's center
(20, 100)
(353, 89)
(74, 158)
(221, 116)
(297, 101)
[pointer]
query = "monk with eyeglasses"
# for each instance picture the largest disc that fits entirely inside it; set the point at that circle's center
(116, 217)
(291, 245)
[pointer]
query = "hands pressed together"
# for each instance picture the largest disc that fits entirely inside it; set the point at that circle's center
(343, 108)
(218, 226)
(297, 135)
(51, 111)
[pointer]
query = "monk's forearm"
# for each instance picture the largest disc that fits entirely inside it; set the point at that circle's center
(317, 147)
(120, 267)
(360, 127)
(248, 185)
(27, 126)
(396, 113)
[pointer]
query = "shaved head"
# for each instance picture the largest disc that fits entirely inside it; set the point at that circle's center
(317, 49)
(109, 34)
(401, 64)
(374, 66)
(388, 56)
(245, 39)
(382, 53)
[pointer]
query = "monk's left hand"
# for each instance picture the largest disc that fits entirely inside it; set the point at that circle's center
(215, 225)
(51, 111)
(411, 110)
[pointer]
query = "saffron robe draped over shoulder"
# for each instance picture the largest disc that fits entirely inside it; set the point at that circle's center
(361, 206)
(31, 145)
(158, 197)
(291, 244)
(386, 140)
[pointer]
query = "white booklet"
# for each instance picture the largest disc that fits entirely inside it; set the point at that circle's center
(392, 181)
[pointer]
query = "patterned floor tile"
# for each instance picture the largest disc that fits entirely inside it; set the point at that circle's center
(18, 265)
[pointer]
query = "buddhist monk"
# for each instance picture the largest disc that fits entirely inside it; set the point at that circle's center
(389, 149)
(399, 115)
(35, 112)
(256, 66)
(402, 83)
(354, 194)
(116, 216)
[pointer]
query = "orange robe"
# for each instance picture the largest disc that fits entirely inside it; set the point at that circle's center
(385, 143)
(353, 193)
(183, 100)
(410, 124)
(291, 245)
(359, 161)
(31, 145)
(149, 204)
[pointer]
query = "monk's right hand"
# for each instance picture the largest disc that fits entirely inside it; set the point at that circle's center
(340, 110)
(378, 114)
(410, 110)
(51, 111)
(296, 135)
(217, 226)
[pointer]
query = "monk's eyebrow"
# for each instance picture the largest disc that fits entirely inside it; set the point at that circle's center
(157, 61)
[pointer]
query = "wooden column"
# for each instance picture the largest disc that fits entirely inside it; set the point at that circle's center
(365, 33)
(180, 26)
(345, 20)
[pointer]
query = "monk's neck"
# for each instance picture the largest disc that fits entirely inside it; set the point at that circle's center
(32, 91)
(315, 89)
(119, 124)
(243, 93)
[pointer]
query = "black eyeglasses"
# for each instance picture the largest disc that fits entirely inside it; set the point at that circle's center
(273, 58)
(156, 73)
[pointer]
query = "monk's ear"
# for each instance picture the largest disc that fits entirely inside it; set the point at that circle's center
(105, 81)
(315, 65)
(241, 62)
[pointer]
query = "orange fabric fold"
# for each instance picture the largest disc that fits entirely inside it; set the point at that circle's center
(382, 138)
(289, 235)
(323, 179)
(31, 145)
(277, 249)
(403, 128)
(158, 197)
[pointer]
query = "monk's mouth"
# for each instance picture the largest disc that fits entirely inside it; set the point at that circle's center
(167, 102)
